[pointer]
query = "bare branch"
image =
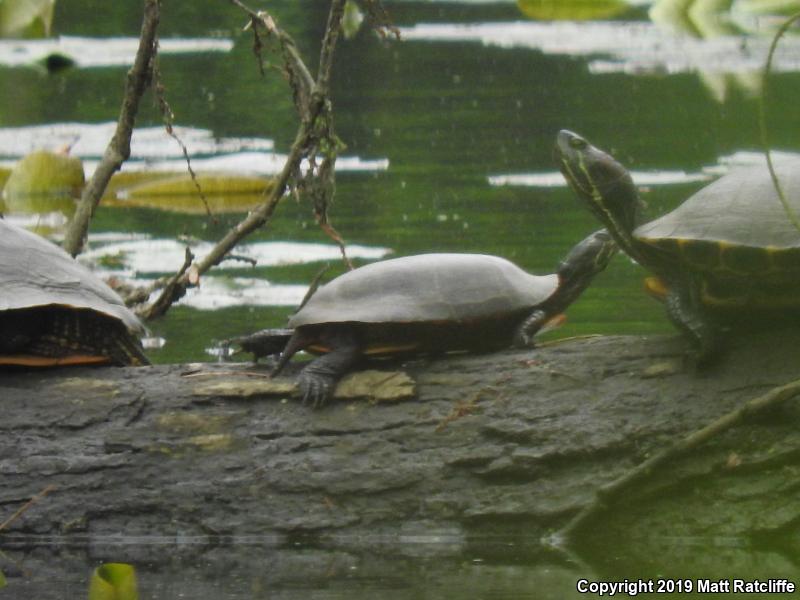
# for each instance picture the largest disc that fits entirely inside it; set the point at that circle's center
(168, 117)
(315, 130)
(118, 150)
(174, 290)
(24, 508)
(614, 490)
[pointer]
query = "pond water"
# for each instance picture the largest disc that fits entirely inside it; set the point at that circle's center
(449, 135)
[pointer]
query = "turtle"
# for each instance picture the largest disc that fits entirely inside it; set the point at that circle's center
(728, 250)
(426, 303)
(55, 312)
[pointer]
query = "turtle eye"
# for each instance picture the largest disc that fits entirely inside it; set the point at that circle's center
(577, 143)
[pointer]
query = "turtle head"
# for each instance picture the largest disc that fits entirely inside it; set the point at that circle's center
(588, 257)
(601, 182)
(583, 262)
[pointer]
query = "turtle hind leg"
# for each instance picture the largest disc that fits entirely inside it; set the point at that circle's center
(687, 315)
(318, 380)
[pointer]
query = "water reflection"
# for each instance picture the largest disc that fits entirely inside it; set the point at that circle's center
(93, 52)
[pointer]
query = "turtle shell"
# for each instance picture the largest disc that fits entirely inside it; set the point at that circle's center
(442, 288)
(35, 273)
(736, 224)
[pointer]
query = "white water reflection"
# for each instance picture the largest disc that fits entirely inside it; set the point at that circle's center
(217, 292)
(742, 158)
(152, 149)
(91, 139)
(616, 46)
(255, 163)
(750, 158)
(148, 256)
(100, 52)
(556, 179)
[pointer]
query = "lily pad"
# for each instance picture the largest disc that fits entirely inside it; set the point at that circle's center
(4, 173)
(178, 193)
(573, 10)
(45, 173)
(211, 184)
(352, 19)
(26, 18)
(113, 581)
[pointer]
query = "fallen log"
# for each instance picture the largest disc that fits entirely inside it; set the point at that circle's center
(511, 444)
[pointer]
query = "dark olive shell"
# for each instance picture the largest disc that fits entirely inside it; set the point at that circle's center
(35, 273)
(427, 288)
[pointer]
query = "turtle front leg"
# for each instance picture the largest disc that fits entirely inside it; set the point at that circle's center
(685, 312)
(318, 380)
(527, 330)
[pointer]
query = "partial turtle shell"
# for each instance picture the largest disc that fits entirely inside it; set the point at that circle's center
(37, 273)
(741, 208)
(427, 287)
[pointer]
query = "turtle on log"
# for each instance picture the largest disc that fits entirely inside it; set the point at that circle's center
(55, 312)
(728, 253)
(428, 303)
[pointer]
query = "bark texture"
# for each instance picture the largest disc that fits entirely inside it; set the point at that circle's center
(510, 444)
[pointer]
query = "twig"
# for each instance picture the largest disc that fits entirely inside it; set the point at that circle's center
(119, 148)
(24, 508)
(313, 287)
(606, 495)
(173, 291)
(169, 117)
(762, 121)
(380, 19)
(312, 104)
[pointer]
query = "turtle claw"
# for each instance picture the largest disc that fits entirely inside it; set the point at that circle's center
(315, 389)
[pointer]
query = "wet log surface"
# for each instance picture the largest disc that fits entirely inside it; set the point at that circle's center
(509, 444)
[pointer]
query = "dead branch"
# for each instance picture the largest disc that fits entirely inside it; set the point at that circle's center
(172, 291)
(606, 495)
(24, 508)
(118, 150)
(313, 106)
(169, 117)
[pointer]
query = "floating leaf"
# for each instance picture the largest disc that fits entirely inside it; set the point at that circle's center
(4, 173)
(122, 180)
(39, 204)
(113, 581)
(768, 7)
(178, 193)
(554, 10)
(352, 19)
(44, 172)
(26, 18)
(211, 184)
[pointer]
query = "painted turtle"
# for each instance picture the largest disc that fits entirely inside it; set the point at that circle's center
(54, 311)
(429, 303)
(729, 248)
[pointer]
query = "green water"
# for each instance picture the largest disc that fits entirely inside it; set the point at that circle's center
(447, 115)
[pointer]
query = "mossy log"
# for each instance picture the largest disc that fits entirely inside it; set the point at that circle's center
(512, 444)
